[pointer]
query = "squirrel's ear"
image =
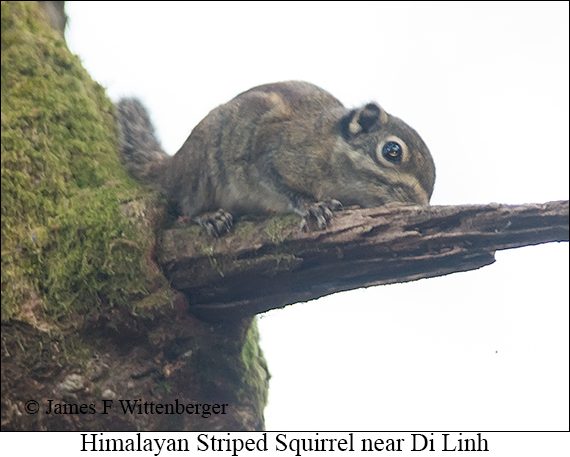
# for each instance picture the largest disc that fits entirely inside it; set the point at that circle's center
(363, 120)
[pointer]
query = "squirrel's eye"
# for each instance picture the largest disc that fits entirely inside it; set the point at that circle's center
(392, 151)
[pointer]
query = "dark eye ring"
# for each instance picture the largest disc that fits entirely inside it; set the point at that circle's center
(392, 152)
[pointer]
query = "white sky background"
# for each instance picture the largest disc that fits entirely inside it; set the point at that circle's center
(486, 85)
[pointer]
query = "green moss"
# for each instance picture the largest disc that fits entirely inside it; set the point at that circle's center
(233, 368)
(73, 234)
(256, 374)
(279, 227)
(245, 230)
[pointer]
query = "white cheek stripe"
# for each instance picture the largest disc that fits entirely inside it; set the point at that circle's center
(411, 182)
(420, 192)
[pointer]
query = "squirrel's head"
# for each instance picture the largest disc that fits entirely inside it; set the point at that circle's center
(387, 159)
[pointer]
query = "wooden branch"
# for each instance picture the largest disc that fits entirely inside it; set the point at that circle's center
(270, 264)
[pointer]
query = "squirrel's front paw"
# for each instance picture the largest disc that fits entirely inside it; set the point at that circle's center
(217, 223)
(319, 214)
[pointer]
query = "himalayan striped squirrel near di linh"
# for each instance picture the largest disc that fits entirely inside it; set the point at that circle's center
(288, 147)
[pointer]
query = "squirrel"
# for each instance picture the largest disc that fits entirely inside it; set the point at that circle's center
(288, 147)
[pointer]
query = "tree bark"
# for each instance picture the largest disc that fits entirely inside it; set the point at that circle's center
(261, 266)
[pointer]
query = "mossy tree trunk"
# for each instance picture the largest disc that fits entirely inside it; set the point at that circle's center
(87, 315)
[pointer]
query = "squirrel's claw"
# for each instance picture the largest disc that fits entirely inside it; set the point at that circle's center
(216, 224)
(319, 214)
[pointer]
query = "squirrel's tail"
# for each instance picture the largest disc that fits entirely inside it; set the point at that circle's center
(141, 152)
